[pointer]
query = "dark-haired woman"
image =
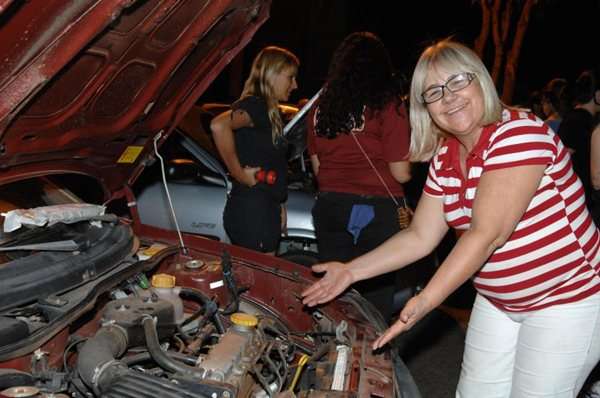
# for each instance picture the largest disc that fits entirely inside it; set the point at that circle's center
(358, 140)
(249, 138)
(556, 102)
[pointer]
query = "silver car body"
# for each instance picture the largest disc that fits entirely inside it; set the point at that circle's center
(199, 203)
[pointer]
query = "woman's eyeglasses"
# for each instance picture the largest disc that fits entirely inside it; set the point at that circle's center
(453, 84)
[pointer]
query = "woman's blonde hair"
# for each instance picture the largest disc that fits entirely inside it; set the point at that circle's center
(267, 63)
(451, 57)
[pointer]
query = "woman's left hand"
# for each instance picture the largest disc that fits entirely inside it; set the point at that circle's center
(416, 308)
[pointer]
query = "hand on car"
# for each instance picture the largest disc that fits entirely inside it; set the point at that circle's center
(416, 308)
(337, 278)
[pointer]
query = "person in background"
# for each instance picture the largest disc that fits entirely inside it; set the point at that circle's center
(249, 139)
(595, 174)
(504, 178)
(358, 140)
(576, 128)
(534, 104)
(556, 102)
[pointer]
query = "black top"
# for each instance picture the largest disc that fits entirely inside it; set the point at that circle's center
(575, 131)
(255, 148)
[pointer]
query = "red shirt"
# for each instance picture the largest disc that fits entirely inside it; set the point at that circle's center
(552, 256)
(385, 137)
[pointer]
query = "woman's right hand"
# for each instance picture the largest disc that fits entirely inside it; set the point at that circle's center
(414, 310)
(337, 278)
(249, 175)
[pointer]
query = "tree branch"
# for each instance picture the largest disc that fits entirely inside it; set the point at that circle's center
(513, 56)
(484, 33)
(498, 44)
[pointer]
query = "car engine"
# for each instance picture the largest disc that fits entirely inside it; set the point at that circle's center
(159, 322)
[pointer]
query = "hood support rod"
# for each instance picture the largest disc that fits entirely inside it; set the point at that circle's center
(184, 249)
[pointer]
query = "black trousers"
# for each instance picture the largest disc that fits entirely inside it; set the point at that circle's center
(252, 220)
(330, 216)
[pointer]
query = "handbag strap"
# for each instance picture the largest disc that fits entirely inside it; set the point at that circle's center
(377, 172)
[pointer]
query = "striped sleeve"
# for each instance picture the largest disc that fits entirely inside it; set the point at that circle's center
(520, 142)
(432, 185)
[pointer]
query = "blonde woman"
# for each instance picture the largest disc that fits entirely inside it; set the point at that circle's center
(505, 179)
(248, 138)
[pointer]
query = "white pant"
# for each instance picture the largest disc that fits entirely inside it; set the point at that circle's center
(545, 353)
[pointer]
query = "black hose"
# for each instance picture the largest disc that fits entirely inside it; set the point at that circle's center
(199, 296)
(209, 306)
(159, 356)
(226, 267)
(96, 362)
(194, 293)
(318, 354)
(142, 357)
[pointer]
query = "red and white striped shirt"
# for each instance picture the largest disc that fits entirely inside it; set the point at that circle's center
(552, 257)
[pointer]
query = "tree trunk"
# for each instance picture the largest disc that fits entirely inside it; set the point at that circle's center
(506, 17)
(512, 60)
(498, 43)
(484, 33)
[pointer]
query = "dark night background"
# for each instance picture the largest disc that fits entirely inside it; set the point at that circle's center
(560, 40)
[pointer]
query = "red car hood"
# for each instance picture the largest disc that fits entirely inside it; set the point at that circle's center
(86, 85)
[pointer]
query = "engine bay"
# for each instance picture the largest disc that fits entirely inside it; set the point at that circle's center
(137, 318)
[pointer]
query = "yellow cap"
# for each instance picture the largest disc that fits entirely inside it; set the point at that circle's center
(241, 319)
(163, 280)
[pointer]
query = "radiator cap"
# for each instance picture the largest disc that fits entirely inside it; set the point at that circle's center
(163, 280)
(241, 319)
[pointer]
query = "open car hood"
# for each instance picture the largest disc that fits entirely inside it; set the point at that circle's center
(87, 85)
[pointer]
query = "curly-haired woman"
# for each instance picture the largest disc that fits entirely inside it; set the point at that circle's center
(358, 140)
(249, 138)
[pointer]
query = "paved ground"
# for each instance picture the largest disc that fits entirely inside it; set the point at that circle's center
(433, 349)
(433, 352)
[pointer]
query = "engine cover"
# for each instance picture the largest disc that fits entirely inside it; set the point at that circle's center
(237, 351)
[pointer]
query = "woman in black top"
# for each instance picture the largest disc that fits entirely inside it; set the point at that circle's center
(249, 139)
(576, 128)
